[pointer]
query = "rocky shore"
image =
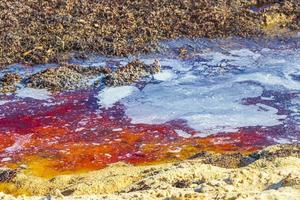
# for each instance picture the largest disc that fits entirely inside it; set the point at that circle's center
(272, 173)
(34, 32)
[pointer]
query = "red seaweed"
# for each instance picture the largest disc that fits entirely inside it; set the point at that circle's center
(73, 134)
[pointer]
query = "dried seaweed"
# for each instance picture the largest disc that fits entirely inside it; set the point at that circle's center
(64, 77)
(131, 72)
(38, 31)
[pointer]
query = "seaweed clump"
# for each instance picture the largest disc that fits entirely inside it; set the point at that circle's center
(131, 72)
(35, 31)
(8, 83)
(73, 77)
(65, 77)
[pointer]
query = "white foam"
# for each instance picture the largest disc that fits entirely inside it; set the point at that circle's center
(208, 109)
(39, 94)
(215, 58)
(240, 57)
(225, 140)
(79, 129)
(19, 143)
(215, 104)
(283, 140)
(183, 134)
(165, 75)
(117, 129)
(212, 123)
(6, 159)
(3, 102)
(175, 64)
(271, 79)
(148, 61)
(109, 96)
(175, 150)
(245, 53)
(208, 90)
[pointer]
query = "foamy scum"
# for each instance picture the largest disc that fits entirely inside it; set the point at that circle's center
(214, 90)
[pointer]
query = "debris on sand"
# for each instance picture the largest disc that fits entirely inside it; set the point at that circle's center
(8, 83)
(227, 160)
(32, 32)
(271, 153)
(131, 73)
(65, 77)
(7, 175)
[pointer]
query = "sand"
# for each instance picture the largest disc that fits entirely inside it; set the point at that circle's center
(268, 177)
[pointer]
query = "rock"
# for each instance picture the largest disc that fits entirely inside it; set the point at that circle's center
(131, 73)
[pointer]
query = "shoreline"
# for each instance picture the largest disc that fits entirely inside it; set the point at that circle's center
(275, 170)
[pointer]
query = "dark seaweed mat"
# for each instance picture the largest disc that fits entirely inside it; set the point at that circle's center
(42, 31)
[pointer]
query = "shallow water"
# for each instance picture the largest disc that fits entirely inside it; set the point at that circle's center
(225, 95)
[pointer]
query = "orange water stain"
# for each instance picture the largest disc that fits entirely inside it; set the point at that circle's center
(74, 135)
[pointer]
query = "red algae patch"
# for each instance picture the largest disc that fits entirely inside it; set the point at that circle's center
(69, 136)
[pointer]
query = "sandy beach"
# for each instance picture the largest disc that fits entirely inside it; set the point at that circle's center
(274, 175)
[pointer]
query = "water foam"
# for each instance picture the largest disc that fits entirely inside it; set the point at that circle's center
(3, 102)
(109, 96)
(208, 91)
(38, 94)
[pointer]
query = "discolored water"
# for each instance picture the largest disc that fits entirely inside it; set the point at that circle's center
(225, 95)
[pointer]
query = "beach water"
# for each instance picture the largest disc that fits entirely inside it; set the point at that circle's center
(232, 95)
